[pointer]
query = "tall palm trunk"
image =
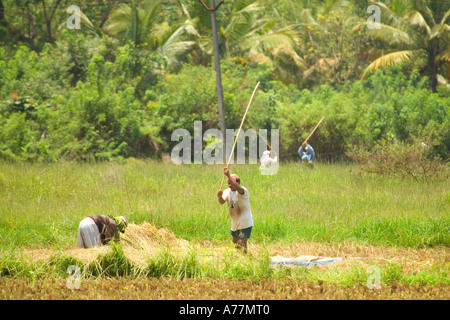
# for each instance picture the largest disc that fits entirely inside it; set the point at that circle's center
(433, 65)
(2, 14)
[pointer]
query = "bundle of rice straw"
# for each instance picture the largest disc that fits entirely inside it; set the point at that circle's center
(145, 240)
(140, 242)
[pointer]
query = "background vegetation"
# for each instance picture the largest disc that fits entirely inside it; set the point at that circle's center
(136, 70)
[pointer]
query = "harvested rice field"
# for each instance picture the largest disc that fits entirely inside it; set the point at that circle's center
(211, 289)
(348, 236)
(196, 271)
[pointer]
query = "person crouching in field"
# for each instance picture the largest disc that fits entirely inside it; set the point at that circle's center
(307, 154)
(96, 230)
(237, 198)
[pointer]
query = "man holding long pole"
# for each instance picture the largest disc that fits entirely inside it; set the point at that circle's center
(306, 152)
(237, 197)
(238, 201)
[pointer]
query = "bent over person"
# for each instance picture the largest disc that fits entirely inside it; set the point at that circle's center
(95, 230)
(237, 198)
(307, 153)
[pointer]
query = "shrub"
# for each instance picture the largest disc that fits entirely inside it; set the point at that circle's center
(416, 160)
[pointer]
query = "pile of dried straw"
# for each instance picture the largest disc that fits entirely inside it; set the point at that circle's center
(140, 242)
(145, 240)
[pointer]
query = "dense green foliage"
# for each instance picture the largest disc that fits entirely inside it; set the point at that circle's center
(136, 71)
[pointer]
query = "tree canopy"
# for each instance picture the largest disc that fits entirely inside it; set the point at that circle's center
(136, 70)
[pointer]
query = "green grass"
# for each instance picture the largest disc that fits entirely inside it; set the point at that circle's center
(41, 205)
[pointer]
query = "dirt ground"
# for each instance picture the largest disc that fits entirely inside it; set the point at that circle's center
(208, 289)
(145, 240)
(411, 260)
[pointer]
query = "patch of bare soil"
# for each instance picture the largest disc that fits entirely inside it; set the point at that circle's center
(410, 259)
(143, 241)
(208, 289)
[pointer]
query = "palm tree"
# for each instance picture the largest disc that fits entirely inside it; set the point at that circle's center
(132, 23)
(415, 31)
(141, 26)
(305, 28)
(181, 39)
(246, 29)
(248, 33)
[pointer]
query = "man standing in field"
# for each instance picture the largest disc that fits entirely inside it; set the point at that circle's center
(266, 160)
(97, 229)
(237, 198)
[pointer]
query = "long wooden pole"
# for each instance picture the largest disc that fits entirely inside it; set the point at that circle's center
(257, 131)
(239, 131)
(313, 130)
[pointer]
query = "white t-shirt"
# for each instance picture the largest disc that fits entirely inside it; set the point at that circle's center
(266, 160)
(239, 207)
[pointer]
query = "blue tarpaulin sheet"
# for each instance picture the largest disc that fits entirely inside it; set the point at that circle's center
(306, 262)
